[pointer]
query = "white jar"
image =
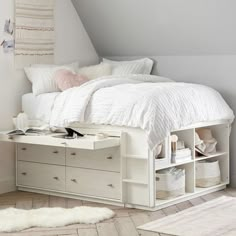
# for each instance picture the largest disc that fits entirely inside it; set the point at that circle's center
(22, 121)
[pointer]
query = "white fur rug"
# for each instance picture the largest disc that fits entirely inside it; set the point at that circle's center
(213, 218)
(12, 220)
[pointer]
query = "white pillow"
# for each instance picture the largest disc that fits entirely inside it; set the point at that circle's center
(42, 77)
(75, 65)
(141, 66)
(93, 72)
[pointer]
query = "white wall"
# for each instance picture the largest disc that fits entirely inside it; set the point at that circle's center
(72, 43)
(160, 27)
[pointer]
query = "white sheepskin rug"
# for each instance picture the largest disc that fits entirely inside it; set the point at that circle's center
(12, 220)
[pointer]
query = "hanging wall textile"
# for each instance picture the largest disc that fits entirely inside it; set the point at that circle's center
(34, 32)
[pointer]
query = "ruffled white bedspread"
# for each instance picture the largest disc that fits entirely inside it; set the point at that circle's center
(155, 104)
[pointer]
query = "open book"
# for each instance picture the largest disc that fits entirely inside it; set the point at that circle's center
(29, 131)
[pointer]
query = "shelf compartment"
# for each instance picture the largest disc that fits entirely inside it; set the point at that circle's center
(221, 134)
(224, 166)
(189, 183)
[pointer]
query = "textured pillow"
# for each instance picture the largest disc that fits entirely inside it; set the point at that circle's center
(65, 79)
(93, 72)
(42, 78)
(141, 66)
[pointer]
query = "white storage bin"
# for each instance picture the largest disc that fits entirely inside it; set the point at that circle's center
(207, 174)
(170, 183)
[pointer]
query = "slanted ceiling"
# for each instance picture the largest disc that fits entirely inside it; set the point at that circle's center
(160, 27)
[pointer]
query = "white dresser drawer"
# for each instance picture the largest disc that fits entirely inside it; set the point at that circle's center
(41, 154)
(93, 182)
(41, 175)
(103, 159)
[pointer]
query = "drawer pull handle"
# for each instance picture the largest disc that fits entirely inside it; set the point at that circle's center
(109, 158)
(64, 143)
(24, 173)
(55, 152)
(10, 137)
(73, 154)
(74, 180)
(56, 178)
(157, 179)
(23, 149)
(110, 185)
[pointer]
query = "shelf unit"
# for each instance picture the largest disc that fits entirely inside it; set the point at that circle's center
(221, 133)
(135, 170)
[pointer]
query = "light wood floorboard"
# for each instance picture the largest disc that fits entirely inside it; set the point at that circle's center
(124, 223)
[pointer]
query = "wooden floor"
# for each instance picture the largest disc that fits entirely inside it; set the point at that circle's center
(123, 224)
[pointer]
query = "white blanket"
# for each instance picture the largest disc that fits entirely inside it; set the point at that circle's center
(152, 103)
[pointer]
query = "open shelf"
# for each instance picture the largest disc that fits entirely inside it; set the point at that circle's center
(201, 190)
(221, 133)
(173, 165)
(217, 154)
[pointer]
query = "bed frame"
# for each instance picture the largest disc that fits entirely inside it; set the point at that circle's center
(118, 170)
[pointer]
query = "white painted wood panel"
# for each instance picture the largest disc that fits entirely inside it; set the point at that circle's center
(93, 182)
(103, 159)
(87, 142)
(41, 154)
(41, 175)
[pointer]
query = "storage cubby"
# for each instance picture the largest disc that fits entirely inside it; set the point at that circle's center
(186, 152)
(189, 182)
(221, 133)
(187, 136)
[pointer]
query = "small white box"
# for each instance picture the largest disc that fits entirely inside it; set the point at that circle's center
(162, 159)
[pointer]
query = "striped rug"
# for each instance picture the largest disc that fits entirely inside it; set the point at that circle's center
(34, 32)
(213, 218)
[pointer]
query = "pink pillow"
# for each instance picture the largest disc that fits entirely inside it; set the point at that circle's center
(65, 79)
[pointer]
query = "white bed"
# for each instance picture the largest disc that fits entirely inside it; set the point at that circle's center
(124, 109)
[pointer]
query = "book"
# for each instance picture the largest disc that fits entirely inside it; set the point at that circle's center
(28, 131)
(182, 152)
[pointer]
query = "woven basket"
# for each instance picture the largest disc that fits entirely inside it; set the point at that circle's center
(207, 174)
(170, 185)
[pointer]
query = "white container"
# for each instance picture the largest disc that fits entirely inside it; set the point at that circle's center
(207, 174)
(170, 184)
(22, 121)
(162, 155)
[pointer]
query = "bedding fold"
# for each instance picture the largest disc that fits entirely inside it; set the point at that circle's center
(155, 104)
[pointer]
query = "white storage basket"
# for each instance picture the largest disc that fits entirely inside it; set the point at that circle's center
(170, 183)
(207, 174)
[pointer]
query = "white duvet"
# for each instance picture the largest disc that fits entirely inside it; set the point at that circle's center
(152, 103)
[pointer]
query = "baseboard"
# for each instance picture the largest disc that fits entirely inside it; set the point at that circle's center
(7, 185)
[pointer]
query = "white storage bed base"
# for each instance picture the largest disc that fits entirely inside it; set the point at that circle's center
(134, 181)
